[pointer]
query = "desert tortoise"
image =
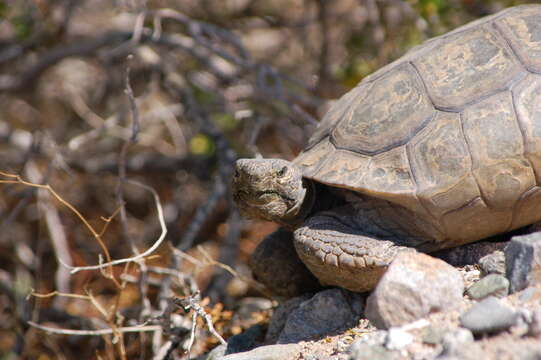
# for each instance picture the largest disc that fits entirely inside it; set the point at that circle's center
(437, 149)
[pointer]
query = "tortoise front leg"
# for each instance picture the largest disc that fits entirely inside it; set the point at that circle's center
(338, 250)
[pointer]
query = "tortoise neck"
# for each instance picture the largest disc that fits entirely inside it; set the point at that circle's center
(301, 211)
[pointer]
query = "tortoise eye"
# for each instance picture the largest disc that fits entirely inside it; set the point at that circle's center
(282, 171)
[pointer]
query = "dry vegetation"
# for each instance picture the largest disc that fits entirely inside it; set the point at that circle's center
(119, 125)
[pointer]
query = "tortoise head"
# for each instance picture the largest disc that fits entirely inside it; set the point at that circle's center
(271, 189)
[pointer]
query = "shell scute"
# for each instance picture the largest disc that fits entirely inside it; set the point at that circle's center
(496, 146)
(442, 164)
(468, 65)
(522, 28)
(527, 97)
(395, 107)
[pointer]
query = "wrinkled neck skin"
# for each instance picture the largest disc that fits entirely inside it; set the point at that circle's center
(300, 212)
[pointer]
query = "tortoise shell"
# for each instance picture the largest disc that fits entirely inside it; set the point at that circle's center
(451, 131)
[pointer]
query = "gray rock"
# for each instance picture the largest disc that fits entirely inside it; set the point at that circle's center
(493, 263)
(246, 340)
(492, 284)
(397, 339)
(414, 286)
(489, 316)
(269, 352)
(326, 312)
(363, 351)
(280, 315)
(523, 261)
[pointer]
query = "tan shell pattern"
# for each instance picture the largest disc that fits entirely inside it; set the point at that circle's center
(451, 131)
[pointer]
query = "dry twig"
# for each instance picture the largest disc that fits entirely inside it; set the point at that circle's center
(192, 303)
(101, 332)
(142, 255)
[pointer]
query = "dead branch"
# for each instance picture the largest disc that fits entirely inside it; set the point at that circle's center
(16, 179)
(146, 253)
(101, 332)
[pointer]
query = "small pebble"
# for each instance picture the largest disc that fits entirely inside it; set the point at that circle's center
(455, 339)
(492, 284)
(493, 263)
(397, 339)
(433, 335)
(489, 316)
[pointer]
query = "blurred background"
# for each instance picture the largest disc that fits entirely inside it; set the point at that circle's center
(107, 102)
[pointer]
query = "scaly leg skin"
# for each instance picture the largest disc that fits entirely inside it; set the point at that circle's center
(276, 264)
(338, 249)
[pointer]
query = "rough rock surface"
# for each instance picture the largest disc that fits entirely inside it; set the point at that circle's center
(327, 311)
(281, 315)
(523, 261)
(414, 286)
(269, 352)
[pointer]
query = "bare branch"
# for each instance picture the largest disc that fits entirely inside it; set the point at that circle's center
(101, 332)
(146, 253)
(16, 179)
